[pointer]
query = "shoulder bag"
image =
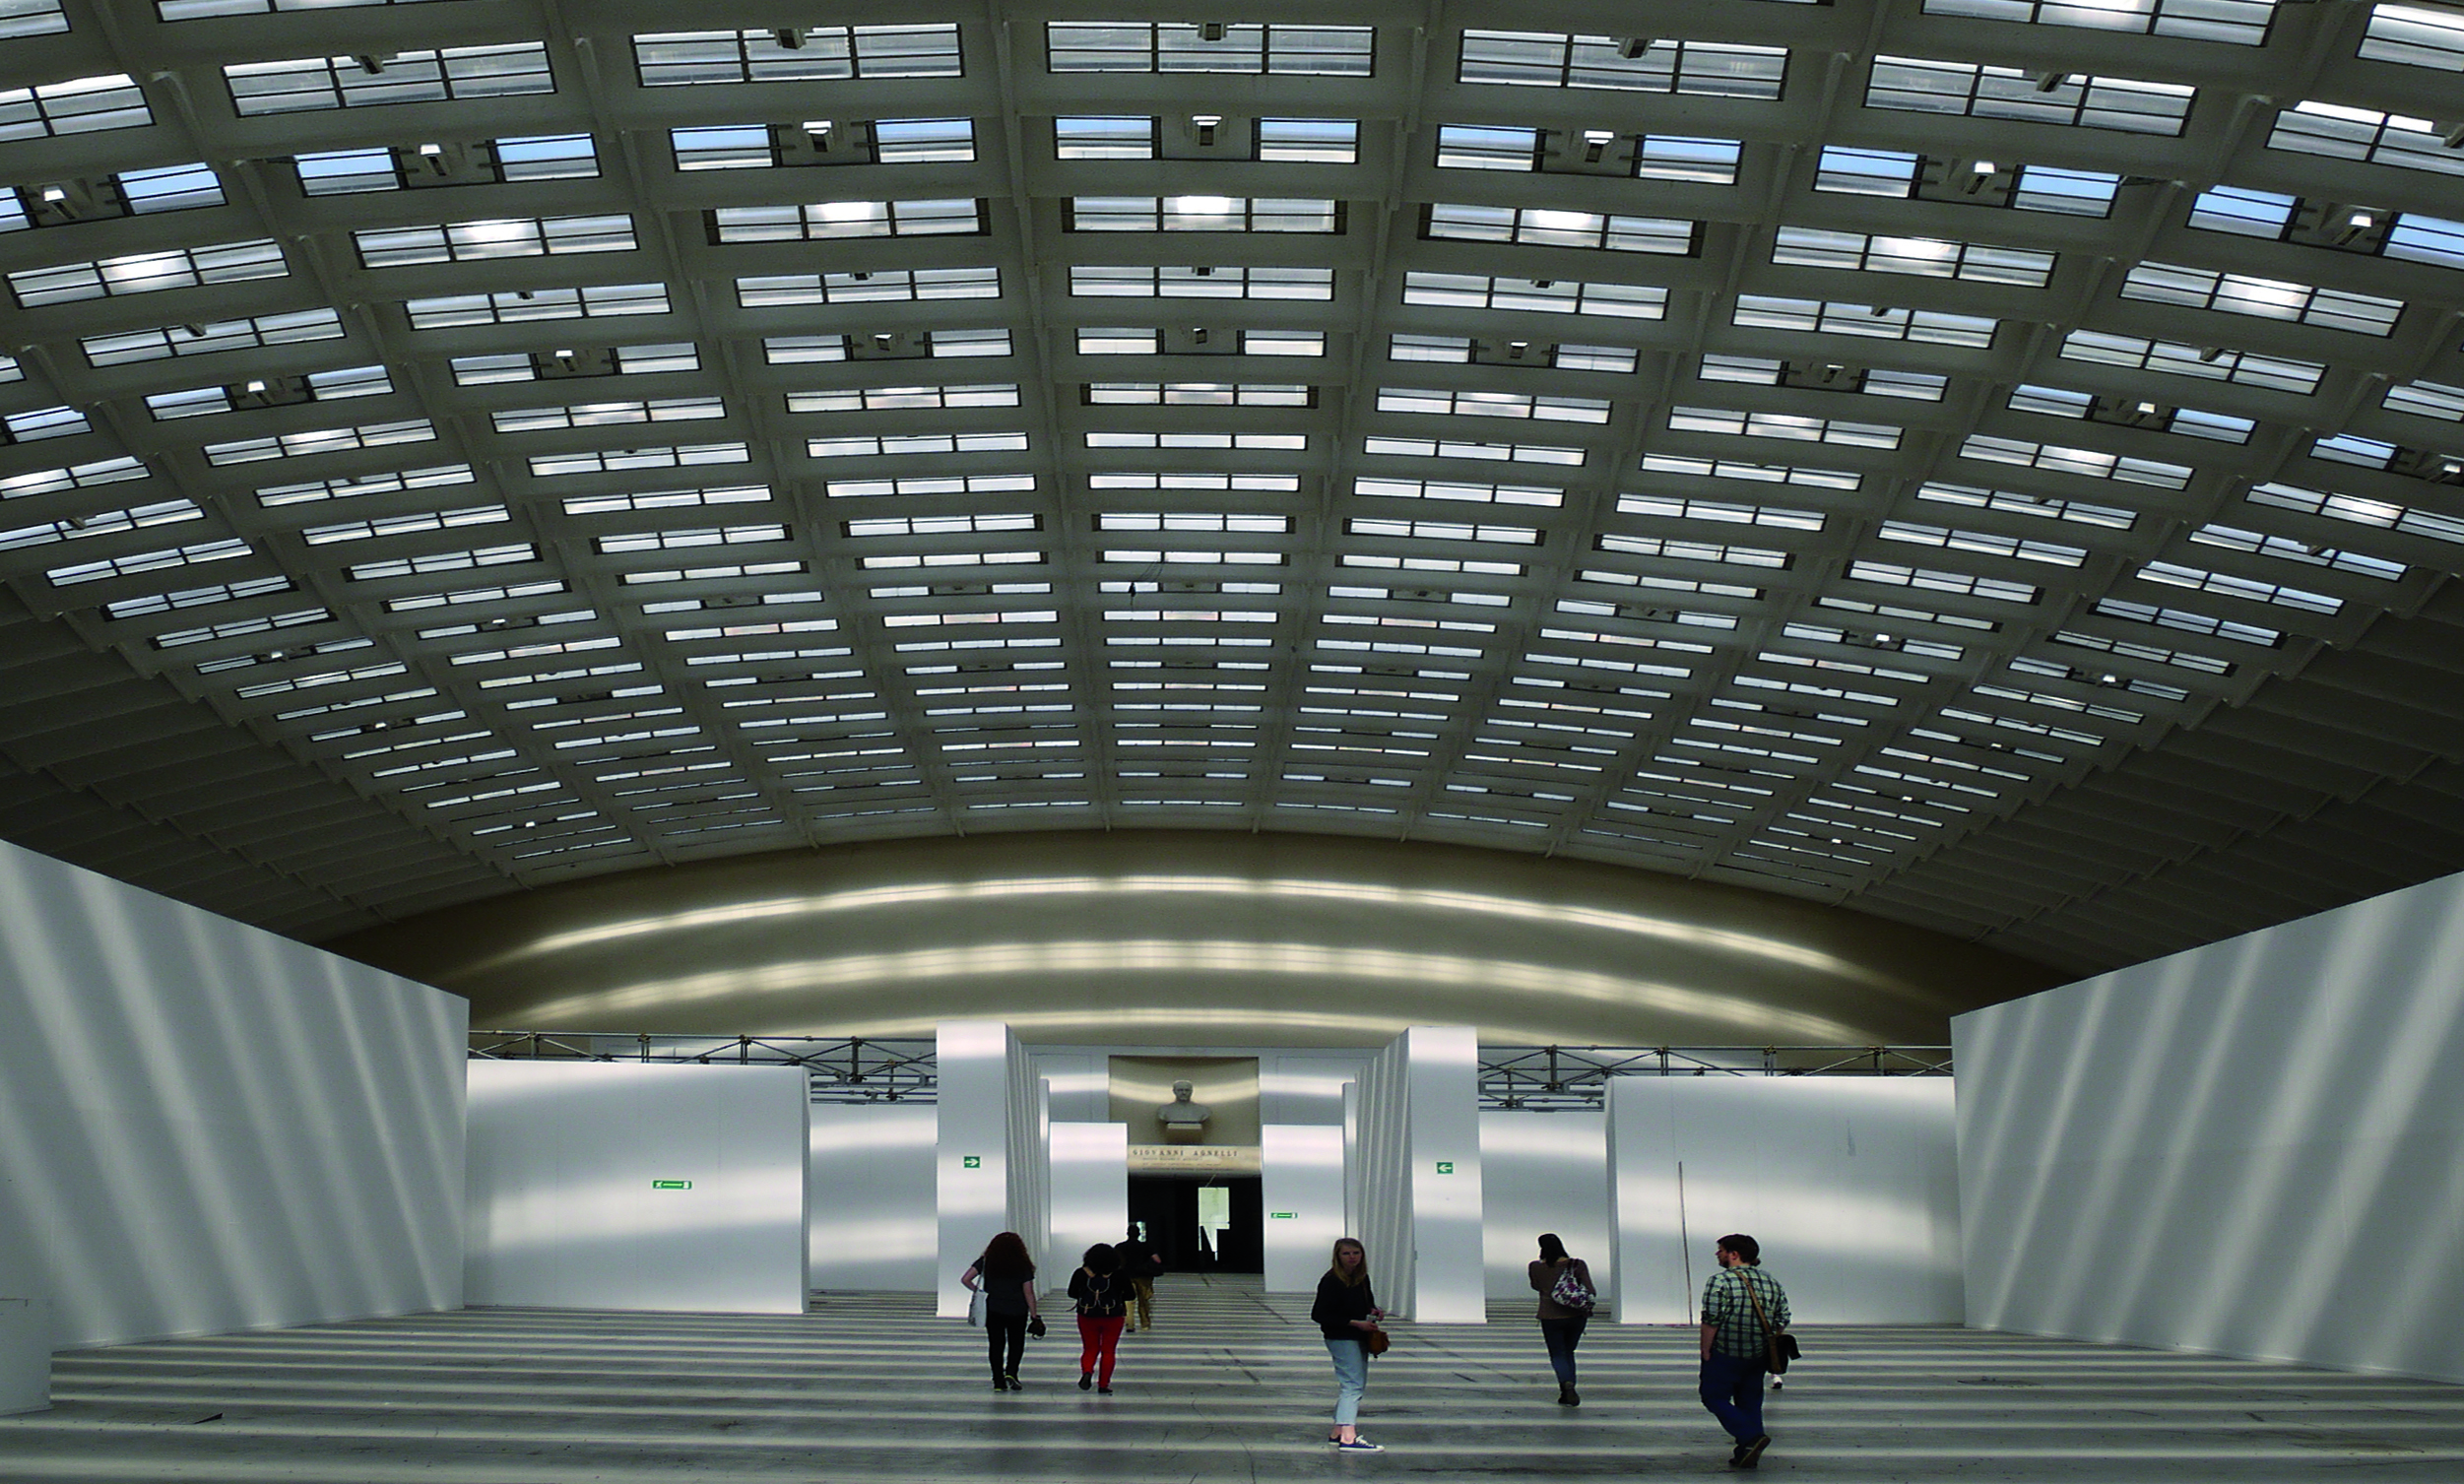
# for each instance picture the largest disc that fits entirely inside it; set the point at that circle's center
(1375, 1342)
(1571, 1293)
(975, 1309)
(1779, 1345)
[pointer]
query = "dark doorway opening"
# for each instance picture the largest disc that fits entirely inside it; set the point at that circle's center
(1169, 1207)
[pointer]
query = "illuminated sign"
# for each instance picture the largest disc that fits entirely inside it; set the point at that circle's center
(670, 1184)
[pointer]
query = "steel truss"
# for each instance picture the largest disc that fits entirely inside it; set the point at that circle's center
(1561, 1078)
(842, 1069)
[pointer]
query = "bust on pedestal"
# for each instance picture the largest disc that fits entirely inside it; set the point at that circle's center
(1184, 1122)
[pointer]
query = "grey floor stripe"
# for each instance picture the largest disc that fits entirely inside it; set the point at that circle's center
(1233, 1386)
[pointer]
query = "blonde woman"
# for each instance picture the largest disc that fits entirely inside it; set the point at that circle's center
(1347, 1314)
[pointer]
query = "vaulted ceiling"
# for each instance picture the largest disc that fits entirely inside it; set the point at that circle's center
(1993, 464)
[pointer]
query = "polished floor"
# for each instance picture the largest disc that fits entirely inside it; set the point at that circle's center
(1231, 1384)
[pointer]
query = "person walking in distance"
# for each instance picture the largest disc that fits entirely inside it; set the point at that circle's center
(1140, 1262)
(1743, 1307)
(1007, 1276)
(1102, 1296)
(1346, 1313)
(1567, 1298)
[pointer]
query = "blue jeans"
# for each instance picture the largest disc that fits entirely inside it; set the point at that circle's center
(1561, 1336)
(1733, 1389)
(1352, 1378)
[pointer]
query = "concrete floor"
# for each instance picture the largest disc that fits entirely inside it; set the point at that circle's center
(1232, 1385)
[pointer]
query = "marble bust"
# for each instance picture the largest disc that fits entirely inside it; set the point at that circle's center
(1184, 1122)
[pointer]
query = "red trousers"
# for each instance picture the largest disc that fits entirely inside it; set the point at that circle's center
(1099, 1339)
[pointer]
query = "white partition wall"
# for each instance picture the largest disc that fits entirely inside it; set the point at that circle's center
(24, 1315)
(1301, 1183)
(972, 1146)
(1849, 1184)
(1543, 1171)
(627, 1185)
(207, 1128)
(872, 1197)
(2251, 1148)
(1418, 1185)
(1089, 1175)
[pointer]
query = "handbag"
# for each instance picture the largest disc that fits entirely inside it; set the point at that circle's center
(1571, 1293)
(1035, 1325)
(1779, 1345)
(975, 1309)
(1375, 1342)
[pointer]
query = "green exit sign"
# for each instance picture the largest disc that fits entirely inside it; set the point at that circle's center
(972, 1161)
(1446, 1167)
(1286, 1215)
(670, 1184)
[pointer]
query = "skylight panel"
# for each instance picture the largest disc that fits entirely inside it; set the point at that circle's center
(149, 561)
(885, 140)
(1541, 296)
(544, 157)
(1459, 448)
(795, 54)
(860, 447)
(2110, 517)
(1423, 530)
(78, 106)
(1141, 281)
(1243, 214)
(1982, 543)
(1902, 177)
(1870, 381)
(312, 442)
(2383, 515)
(1150, 340)
(1931, 580)
(1309, 141)
(1211, 47)
(528, 305)
(2229, 585)
(2088, 462)
(2239, 23)
(480, 241)
(2184, 421)
(409, 524)
(2427, 399)
(316, 386)
(1196, 394)
(1866, 321)
(1276, 442)
(2079, 99)
(1923, 257)
(371, 79)
(619, 460)
(606, 414)
(101, 524)
(1695, 467)
(878, 286)
(1792, 426)
(149, 273)
(1462, 350)
(112, 471)
(1470, 404)
(2425, 239)
(1629, 64)
(210, 336)
(830, 220)
(2275, 373)
(37, 423)
(2286, 549)
(2415, 36)
(1461, 491)
(890, 398)
(571, 364)
(1673, 548)
(1107, 136)
(2341, 132)
(130, 193)
(2262, 299)
(1684, 507)
(30, 17)
(1543, 227)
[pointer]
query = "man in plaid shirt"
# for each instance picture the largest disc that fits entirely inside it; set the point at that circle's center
(1734, 1343)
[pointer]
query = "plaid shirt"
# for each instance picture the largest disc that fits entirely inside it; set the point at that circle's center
(1726, 1304)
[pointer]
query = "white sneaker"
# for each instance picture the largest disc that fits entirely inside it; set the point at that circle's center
(1358, 1445)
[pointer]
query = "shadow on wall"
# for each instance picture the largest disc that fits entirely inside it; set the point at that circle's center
(1194, 938)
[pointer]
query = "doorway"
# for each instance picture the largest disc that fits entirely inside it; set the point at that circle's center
(1177, 1209)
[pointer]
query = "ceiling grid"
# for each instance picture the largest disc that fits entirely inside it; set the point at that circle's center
(1989, 462)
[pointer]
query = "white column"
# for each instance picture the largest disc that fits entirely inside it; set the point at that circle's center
(1646, 1231)
(1301, 1178)
(1090, 1193)
(971, 1153)
(1450, 1281)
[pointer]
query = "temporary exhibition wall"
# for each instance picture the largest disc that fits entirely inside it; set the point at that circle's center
(1089, 1175)
(1849, 1184)
(872, 1196)
(1543, 1171)
(25, 1314)
(629, 1185)
(1417, 1182)
(973, 1142)
(1301, 1185)
(2251, 1148)
(209, 1128)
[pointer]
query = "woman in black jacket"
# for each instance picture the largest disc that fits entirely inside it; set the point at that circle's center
(1102, 1292)
(1347, 1313)
(1561, 1323)
(1007, 1276)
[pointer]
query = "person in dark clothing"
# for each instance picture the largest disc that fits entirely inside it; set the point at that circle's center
(1102, 1295)
(1006, 1275)
(1346, 1312)
(1140, 1262)
(1561, 1324)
